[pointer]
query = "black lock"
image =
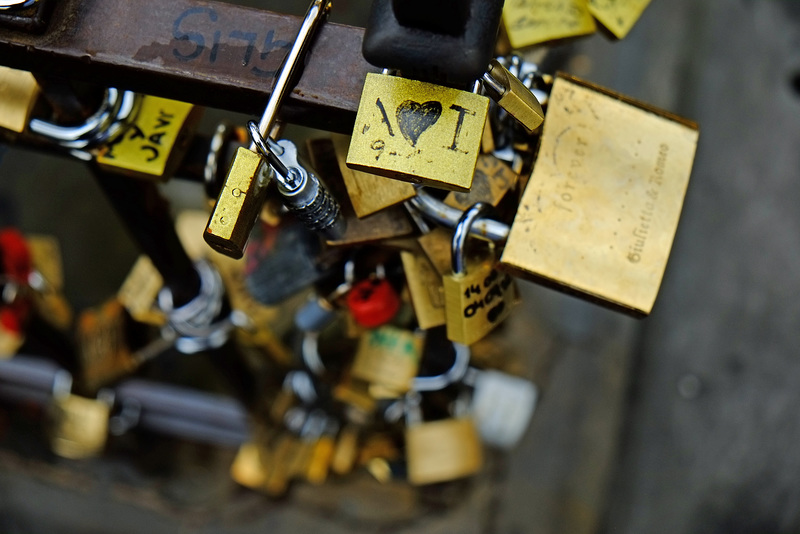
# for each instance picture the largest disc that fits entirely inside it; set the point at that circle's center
(449, 42)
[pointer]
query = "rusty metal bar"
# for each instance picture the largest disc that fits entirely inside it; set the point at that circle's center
(208, 53)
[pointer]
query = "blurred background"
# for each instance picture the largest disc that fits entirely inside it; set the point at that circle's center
(684, 422)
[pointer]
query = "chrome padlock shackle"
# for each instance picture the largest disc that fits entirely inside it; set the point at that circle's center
(439, 212)
(454, 374)
(459, 242)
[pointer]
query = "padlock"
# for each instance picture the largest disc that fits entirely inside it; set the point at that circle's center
(155, 143)
(242, 196)
(440, 451)
(139, 291)
(103, 349)
(368, 193)
(600, 211)
(47, 281)
(346, 450)
(436, 245)
(618, 16)
(373, 301)
(502, 406)
(248, 467)
(512, 95)
(530, 22)
(278, 464)
(78, 426)
(418, 132)
(20, 93)
(426, 289)
(388, 357)
(493, 179)
(477, 298)
(322, 454)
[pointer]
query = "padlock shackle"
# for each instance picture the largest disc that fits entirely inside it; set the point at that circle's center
(461, 233)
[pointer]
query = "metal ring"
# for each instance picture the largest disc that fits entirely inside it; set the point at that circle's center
(441, 213)
(455, 374)
(459, 243)
(211, 169)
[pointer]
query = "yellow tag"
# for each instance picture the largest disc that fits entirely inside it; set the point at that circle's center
(618, 16)
(602, 206)
(418, 132)
(18, 94)
(529, 22)
(150, 147)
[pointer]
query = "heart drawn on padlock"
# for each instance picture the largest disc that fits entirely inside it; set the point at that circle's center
(414, 118)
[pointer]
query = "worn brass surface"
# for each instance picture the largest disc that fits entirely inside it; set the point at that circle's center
(417, 132)
(157, 141)
(103, 353)
(368, 193)
(517, 99)
(389, 357)
(247, 468)
(18, 93)
(79, 426)
(618, 16)
(443, 450)
(601, 209)
(477, 302)
(139, 291)
(238, 205)
(493, 179)
(529, 22)
(437, 247)
(426, 289)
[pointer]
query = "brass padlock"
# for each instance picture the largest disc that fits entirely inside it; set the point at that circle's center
(19, 92)
(493, 179)
(418, 132)
(346, 450)
(600, 211)
(477, 298)
(139, 292)
(103, 350)
(426, 289)
(440, 451)
(78, 426)
(618, 16)
(388, 357)
(47, 280)
(512, 95)
(368, 193)
(530, 22)
(155, 143)
(248, 467)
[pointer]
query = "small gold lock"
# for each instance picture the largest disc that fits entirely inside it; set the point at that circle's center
(239, 204)
(512, 95)
(618, 16)
(477, 297)
(19, 92)
(78, 426)
(599, 214)
(248, 467)
(368, 193)
(388, 357)
(530, 22)
(426, 289)
(418, 132)
(103, 352)
(493, 179)
(346, 452)
(139, 291)
(321, 458)
(439, 451)
(154, 145)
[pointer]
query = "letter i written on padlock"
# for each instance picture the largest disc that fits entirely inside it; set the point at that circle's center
(153, 146)
(418, 132)
(477, 297)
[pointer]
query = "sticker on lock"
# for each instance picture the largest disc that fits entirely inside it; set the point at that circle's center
(153, 146)
(418, 132)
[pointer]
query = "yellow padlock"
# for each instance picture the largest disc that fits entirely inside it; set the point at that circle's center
(78, 426)
(618, 16)
(388, 357)
(154, 145)
(19, 92)
(418, 132)
(478, 298)
(426, 289)
(530, 22)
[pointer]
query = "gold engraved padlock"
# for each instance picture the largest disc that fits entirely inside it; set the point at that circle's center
(19, 92)
(493, 179)
(618, 16)
(600, 211)
(78, 426)
(530, 22)
(477, 297)
(388, 357)
(368, 193)
(418, 132)
(512, 95)
(426, 289)
(439, 451)
(154, 145)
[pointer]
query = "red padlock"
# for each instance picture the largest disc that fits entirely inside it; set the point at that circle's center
(15, 266)
(373, 301)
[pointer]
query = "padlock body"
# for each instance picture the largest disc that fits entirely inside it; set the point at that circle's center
(599, 214)
(79, 426)
(517, 99)
(239, 204)
(418, 132)
(528, 23)
(439, 451)
(618, 17)
(389, 357)
(477, 302)
(19, 92)
(153, 146)
(373, 302)
(426, 289)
